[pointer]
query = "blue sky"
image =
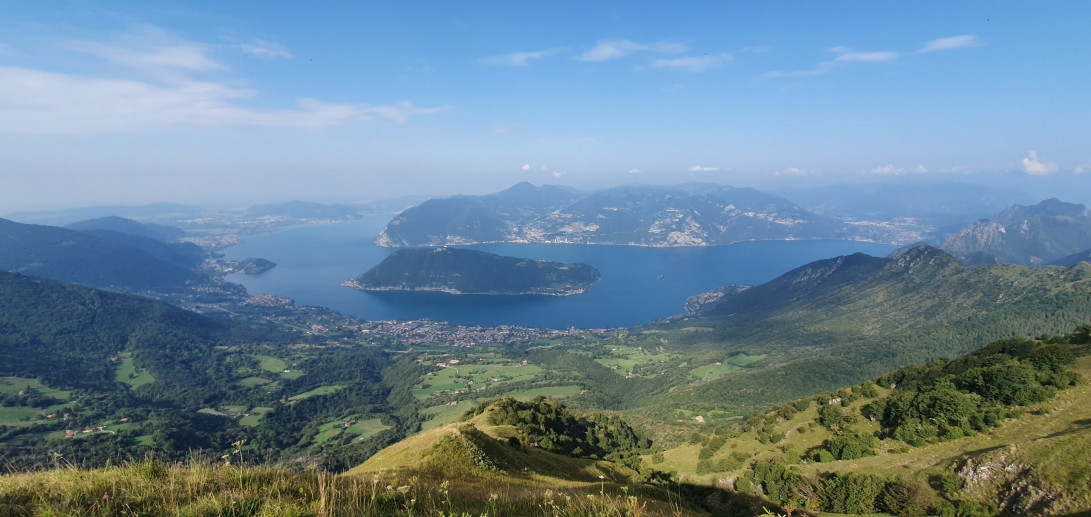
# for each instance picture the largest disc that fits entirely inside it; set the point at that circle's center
(241, 102)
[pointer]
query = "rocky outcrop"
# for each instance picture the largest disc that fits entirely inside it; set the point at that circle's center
(1028, 235)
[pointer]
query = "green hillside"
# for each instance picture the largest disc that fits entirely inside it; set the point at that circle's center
(92, 374)
(840, 321)
(837, 452)
(100, 258)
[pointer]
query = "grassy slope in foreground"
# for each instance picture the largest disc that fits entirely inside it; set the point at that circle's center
(461, 469)
(479, 462)
(1036, 461)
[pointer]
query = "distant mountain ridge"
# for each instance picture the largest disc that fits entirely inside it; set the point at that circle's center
(305, 210)
(108, 260)
(73, 215)
(940, 205)
(637, 215)
(122, 225)
(1073, 259)
(1027, 235)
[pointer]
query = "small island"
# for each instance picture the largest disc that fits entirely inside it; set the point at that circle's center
(249, 266)
(461, 271)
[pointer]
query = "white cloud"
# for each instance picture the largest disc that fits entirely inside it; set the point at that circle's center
(517, 58)
(266, 50)
(951, 43)
(545, 168)
(558, 174)
(1032, 166)
(149, 49)
(500, 130)
(886, 170)
(1080, 170)
(890, 170)
(691, 64)
(525, 167)
(845, 56)
(35, 101)
(190, 57)
(606, 50)
(158, 87)
(634, 171)
(866, 57)
(698, 168)
(793, 171)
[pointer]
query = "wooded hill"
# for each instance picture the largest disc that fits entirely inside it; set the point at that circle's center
(99, 258)
(145, 377)
(462, 271)
(840, 321)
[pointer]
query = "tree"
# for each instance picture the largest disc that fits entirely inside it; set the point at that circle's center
(1052, 358)
(850, 493)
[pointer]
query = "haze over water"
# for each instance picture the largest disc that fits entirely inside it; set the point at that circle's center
(313, 260)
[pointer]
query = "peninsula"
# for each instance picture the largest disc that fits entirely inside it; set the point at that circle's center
(462, 271)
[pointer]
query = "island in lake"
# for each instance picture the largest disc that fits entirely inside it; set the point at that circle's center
(249, 266)
(461, 271)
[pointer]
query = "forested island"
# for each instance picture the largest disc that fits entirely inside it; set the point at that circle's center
(248, 266)
(461, 271)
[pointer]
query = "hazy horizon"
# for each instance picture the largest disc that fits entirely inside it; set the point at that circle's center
(234, 104)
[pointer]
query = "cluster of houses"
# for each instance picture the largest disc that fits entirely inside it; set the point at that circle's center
(68, 433)
(87, 430)
(417, 332)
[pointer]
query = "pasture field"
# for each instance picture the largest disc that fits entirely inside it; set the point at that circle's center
(128, 373)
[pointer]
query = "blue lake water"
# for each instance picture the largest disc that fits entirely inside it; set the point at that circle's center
(313, 260)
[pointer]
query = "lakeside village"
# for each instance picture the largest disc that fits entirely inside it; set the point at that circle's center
(402, 334)
(423, 332)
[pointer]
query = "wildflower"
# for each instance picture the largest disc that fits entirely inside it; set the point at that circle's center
(105, 496)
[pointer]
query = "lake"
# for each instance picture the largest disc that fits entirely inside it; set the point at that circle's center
(638, 284)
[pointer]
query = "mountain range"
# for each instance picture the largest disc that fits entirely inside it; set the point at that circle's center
(99, 258)
(638, 215)
(1028, 235)
(944, 207)
(117, 224)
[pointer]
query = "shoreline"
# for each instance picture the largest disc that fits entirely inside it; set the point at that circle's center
(355, 284)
